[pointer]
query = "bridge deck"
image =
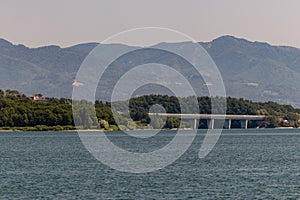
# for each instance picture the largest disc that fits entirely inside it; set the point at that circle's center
(212, 116)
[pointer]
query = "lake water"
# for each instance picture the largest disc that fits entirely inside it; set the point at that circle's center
(245, 164)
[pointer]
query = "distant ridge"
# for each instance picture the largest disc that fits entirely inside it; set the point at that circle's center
(251, 70)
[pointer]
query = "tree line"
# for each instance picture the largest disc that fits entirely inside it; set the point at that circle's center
(18, 110)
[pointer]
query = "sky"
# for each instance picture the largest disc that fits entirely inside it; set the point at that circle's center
(37, 23)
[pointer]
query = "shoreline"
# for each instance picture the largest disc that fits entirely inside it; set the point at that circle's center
(33, 129)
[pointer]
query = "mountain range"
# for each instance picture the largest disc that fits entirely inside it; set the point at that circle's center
(252, 70)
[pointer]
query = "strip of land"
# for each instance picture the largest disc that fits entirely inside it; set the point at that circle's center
(19, 112)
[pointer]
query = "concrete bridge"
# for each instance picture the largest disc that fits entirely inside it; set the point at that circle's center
(211, 118)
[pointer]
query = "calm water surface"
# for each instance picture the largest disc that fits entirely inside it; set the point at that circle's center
(245, 164)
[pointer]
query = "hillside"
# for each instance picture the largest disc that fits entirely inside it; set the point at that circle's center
(257, 71)
(251, 70)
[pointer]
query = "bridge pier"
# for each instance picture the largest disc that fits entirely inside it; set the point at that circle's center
(227, 124)
(244, 124)
(210, 123)
(195, 124)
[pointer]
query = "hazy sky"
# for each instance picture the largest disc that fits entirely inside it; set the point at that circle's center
(67, 22)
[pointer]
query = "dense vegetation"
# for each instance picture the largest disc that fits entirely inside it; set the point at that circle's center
(276, 115)
(20, 112)
(17, 110)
